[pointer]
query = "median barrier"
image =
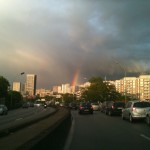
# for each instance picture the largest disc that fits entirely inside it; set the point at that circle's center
(31, 135)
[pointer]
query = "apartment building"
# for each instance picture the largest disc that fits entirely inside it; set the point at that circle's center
(144, 86)
(66, 88)
(16, 86)
(43, 92)
(137, 87)
(57, 89)
(31, 84)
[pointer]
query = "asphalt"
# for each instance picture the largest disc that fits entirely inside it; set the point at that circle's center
(31, 135)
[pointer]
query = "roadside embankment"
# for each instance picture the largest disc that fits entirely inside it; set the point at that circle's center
(31, 135)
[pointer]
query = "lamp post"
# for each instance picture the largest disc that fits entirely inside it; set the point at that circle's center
(22, 73)
(125, 74)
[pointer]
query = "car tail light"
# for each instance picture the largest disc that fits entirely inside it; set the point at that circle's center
(81, 107)
(112, 107)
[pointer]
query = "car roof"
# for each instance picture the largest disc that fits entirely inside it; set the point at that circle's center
(135, 101)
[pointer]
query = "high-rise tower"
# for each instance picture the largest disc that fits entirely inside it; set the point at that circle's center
(31, 84)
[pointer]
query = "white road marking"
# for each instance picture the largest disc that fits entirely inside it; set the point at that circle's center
(146, 137)
(70, 136)
(19, 119)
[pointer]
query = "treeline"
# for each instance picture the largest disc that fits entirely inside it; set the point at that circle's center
(100, 91)
(12, 99)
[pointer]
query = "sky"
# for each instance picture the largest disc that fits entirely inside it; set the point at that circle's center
(66, 40)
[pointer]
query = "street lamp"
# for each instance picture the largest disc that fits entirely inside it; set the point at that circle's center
(22, 73)
(125, 74)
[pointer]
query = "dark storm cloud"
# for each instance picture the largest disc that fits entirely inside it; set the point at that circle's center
(54, 39)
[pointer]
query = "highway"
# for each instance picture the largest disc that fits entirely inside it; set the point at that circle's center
(93, 132)
(23, 115)
(102, 132)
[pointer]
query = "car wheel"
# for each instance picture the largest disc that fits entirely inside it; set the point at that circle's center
(131, 118)
(148, 120)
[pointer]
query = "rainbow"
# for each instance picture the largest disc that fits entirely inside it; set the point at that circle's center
(75, 78)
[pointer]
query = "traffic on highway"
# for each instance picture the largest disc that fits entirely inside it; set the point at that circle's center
(104, 131)
(22, 115)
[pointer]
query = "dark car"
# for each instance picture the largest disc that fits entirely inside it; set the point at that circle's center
(73, 106)
(3, 109)
(85, 108)
(25, 105)
(114, 108)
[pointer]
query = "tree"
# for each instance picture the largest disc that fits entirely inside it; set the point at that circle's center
(14, 99)
(68, 98)
(99, 90)
(4, 85)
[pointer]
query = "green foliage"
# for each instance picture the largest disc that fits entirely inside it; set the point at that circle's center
(14, 99)
(68, 98)
(4, 84)
(99, 90)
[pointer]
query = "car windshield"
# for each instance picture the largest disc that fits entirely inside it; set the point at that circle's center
(142, 104)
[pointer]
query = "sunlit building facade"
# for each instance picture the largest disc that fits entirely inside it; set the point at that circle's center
(66, 88)
(16, 86)
(144, 87)
(135, 87)
(57, 89)
(43, 92)
(31, 84)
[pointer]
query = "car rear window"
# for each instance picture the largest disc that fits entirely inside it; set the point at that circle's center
(86, 104)
(142, 104)
(120, 104)
(95, 104)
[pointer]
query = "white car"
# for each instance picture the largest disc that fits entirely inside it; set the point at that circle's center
(96, 106)
(135, 110)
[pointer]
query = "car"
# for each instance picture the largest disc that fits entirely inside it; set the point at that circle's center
(31, 104)
(96, 106)
(135, 110)
(38, 103)
(3, 109)
(115, 108)
(104, 106)
(148, 117)
(25, 105)
(85, 108)
(73, 106)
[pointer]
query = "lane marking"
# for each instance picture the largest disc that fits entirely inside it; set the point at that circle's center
(70, 135)
(19, 119)
(146, 137)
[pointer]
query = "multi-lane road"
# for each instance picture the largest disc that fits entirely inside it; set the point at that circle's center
(89, 132)
(102, 132)
(23, 115)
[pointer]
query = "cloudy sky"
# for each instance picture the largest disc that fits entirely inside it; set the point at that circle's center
(57, 39)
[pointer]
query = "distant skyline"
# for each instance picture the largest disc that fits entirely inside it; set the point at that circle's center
(66, 41)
